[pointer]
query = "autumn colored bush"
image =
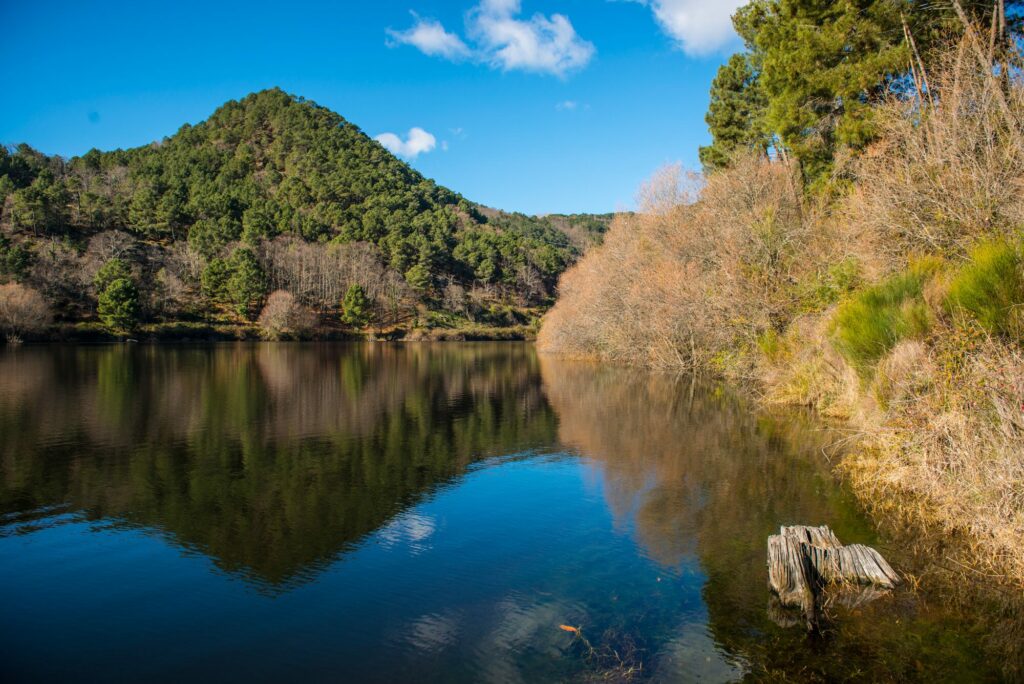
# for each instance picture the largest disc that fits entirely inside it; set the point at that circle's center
(701, 271)
(22, 311)
(283, 317)
(945, 173)
(892, 296)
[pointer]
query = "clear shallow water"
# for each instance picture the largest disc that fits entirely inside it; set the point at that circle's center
(414, 513)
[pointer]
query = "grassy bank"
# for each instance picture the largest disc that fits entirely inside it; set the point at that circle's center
(892, 295)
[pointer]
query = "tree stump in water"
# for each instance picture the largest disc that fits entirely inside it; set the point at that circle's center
(803, 561)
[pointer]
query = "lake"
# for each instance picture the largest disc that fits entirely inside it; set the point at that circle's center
(418, 512)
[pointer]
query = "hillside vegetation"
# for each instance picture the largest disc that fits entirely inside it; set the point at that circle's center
(271, 193)
(878, 277)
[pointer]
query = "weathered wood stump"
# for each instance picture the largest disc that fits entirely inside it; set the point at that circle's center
(803, 561)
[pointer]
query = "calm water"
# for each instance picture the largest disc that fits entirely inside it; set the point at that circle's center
(414, 513)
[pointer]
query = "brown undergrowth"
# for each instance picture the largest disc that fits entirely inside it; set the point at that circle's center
(894, 300)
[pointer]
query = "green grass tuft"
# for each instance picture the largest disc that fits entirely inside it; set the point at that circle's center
(991, 288)
(875, 320)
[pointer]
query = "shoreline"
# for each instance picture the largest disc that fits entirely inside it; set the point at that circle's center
(190, 333)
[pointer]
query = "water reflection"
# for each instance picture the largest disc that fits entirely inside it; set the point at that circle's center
(428, 512)
(691, 470)
(271, 459)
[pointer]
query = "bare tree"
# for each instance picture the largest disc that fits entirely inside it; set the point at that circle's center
(455, 298)
(283, 316)
(319, 274)
(56, 273)
(102, 247)
(529, 283)
(22, 311)
(394, 300)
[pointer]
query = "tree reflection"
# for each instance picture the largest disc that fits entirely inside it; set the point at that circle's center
(273, 460)
(270, 459)
(695, 471)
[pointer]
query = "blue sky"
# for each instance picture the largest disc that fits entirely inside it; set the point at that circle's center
(528, 105)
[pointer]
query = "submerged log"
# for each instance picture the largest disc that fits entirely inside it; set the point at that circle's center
(803, 561)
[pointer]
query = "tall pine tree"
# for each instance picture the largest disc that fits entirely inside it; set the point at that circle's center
(736, 114)
(814, 70)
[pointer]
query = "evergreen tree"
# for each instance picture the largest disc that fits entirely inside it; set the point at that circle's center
(247, 284)
(419, 277)
(15, 260)
(119, 305)
(736, 114)
(822, 66)
(214, 279)
(114, 269)
(356, 307)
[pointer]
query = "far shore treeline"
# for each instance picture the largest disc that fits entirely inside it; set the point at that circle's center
(273, 201)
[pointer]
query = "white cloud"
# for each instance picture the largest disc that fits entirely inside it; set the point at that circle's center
(700, 27)
(566, 105)
(430, 37)
(503, 40)
(417, 142)
(544, 44)
(410, 530)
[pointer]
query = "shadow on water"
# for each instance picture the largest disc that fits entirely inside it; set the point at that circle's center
(525, 493)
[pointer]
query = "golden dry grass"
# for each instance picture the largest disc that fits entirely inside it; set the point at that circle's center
(741, 273)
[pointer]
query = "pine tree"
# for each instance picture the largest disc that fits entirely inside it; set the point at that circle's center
(356, 307)
(419, 277)
(247, 283)
(822, 66)
(736, 114)
(114, 269)
(119, 305)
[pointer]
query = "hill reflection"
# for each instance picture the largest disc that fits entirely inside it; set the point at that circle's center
(269, 459)
(274, 461)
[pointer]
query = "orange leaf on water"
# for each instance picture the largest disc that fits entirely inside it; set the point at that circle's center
(568, 628)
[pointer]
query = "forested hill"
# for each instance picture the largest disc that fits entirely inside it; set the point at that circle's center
(272, 192)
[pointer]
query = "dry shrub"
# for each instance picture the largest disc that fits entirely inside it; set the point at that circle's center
(948, 174)
(943, 444)
(939, 414)
(903, 376)
(754, 238)
(948, 456)
(22, 311)
(807, 370)
(683, 282)
(284, 317)
(627, 299)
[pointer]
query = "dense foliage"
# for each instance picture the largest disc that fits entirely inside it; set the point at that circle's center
(813, 72)
(270, 165)
(735, 114)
